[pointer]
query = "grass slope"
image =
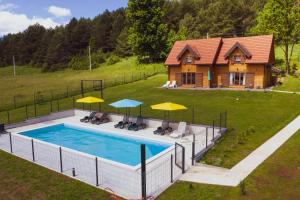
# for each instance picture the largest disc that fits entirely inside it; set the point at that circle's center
(264, 113)
(277, 178)
(20, 180)
(279, 53)
(290, 83)
(29, 80)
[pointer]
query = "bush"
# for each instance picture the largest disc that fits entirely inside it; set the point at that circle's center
(113, 59)
(83, 62)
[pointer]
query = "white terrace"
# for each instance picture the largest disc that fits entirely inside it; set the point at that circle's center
(115, 177)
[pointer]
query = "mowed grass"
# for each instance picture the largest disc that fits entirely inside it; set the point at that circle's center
(276, 178)
(289, 83)
(265, 113)
(30, 80)
(279, 53)
(253, 117)
(20, 180)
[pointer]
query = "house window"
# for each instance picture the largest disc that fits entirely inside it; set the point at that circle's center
(237, 79)
(189, 59)
(237, 59)
(188, 78)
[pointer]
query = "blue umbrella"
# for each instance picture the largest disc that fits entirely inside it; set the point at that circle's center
(127, 103)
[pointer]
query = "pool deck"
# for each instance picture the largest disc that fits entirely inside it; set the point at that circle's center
(48, 156)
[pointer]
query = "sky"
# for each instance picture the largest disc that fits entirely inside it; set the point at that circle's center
(17, 15)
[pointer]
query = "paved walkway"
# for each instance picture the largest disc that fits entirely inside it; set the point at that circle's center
(232, 177)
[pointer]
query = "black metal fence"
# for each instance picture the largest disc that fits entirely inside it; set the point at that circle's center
(45, 96)
(211, 135)
(155, 176)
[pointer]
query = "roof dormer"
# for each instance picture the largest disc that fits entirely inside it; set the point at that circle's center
(191, 49)
(237, 45)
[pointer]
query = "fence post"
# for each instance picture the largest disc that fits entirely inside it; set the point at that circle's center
(35, 109)
(97, 178)
(26, 111)
(193, 115)
(143, 171)
(102, 89)
(57, 105)
(193, 150)
(67, 91)
(183, 160)
(213, 128)
(226, 119)
(33, 155)
(73, 101)
(10, 142)
(73, 172)
(51, 106)
(206, 137)
(60, 159)
(171, 168)
(8, 117)
(15, 103)
(220, 122)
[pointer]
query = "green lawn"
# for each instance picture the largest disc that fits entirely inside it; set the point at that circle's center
(279, 53)
(22, 180)
(277, 178)
(289, 83)
(257, 115)
(264, 113)
(30, 80)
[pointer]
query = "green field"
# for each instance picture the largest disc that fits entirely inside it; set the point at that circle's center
(290, 83)
(253, 117)
(263, 113)
(277, 178)
(30, 80)
(279, 53)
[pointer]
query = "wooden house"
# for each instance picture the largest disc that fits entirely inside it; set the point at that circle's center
(242, 62)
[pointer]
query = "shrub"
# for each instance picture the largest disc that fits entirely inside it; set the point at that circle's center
(83, 62)
(113, 59)
(243, 191)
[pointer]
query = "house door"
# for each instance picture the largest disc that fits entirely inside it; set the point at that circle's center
(199, 80)
(249, 81)
(178, 78)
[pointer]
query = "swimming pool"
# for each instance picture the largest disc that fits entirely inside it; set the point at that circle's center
(117, 148)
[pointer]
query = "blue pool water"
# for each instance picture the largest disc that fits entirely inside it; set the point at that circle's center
(125, 150)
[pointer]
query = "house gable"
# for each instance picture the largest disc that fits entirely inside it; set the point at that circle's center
(237, 45)
(191, 49)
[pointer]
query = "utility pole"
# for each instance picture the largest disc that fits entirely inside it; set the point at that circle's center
(90, 57)
(14, 63)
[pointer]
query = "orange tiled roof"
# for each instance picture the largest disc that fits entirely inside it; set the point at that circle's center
(259, 47)
(207, 49)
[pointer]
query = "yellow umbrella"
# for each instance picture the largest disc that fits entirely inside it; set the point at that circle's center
(168, 106)
(90, 100)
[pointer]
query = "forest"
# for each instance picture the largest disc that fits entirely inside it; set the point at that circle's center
(124, 32)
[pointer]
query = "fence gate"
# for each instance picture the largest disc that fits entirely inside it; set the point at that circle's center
(180, 156)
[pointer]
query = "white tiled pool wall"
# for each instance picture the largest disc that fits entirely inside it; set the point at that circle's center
(122, 180)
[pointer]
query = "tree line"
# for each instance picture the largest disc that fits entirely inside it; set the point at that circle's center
(146, 28)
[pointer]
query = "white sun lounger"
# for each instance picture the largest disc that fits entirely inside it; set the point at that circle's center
(173, 84)
(166, 85)
(182, 130)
